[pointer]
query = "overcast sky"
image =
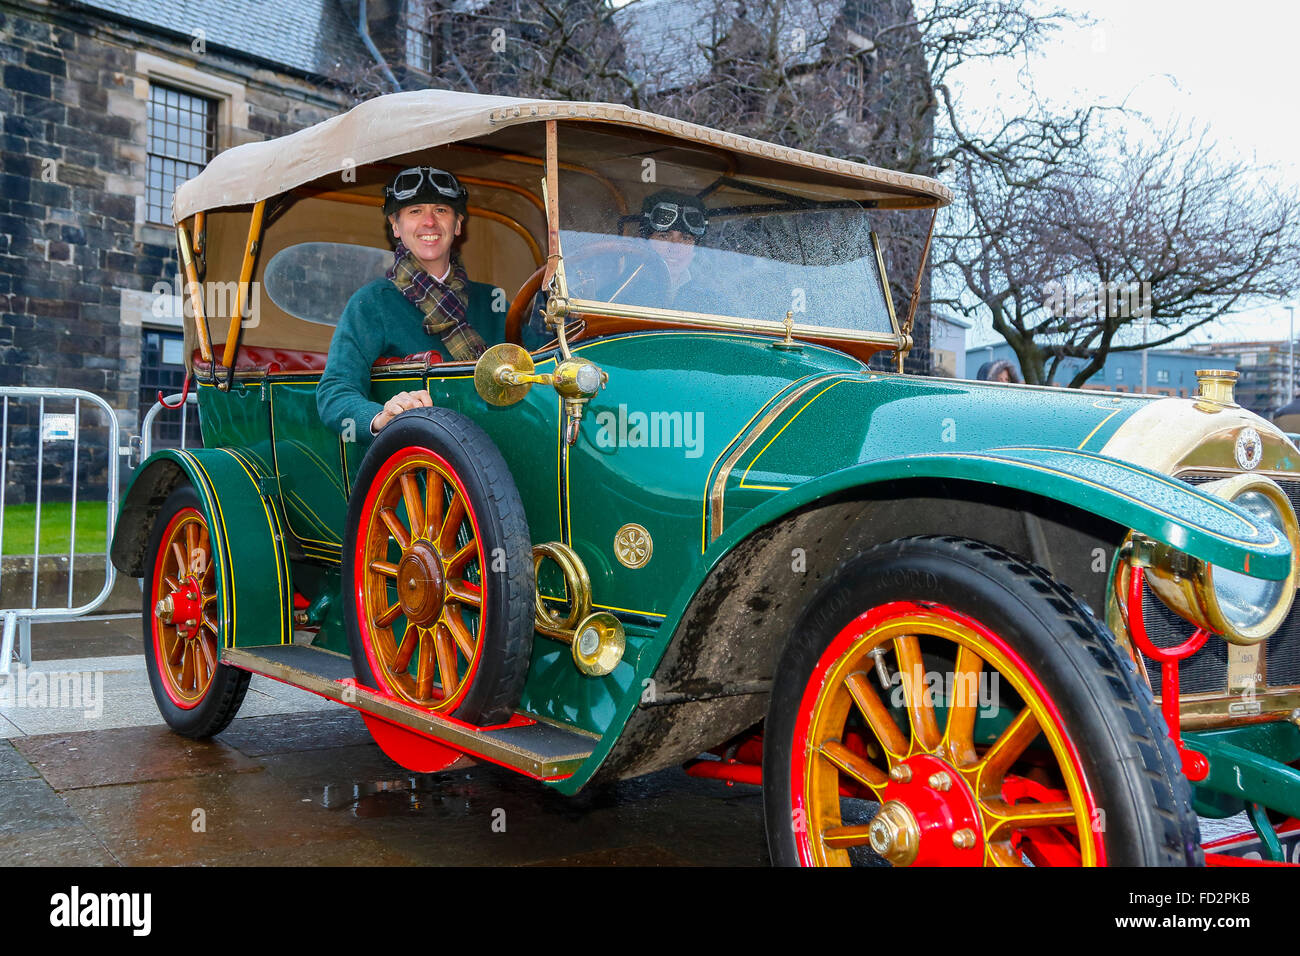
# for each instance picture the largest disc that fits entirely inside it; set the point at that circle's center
(1230, 65)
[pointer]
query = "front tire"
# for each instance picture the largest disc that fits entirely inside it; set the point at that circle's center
(1013, 732)
(197, 695)
(438, 565)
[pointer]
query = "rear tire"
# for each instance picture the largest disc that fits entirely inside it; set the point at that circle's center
(197, 695)
(1092, 778)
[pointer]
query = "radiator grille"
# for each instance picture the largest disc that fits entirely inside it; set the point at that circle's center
(1207, 671)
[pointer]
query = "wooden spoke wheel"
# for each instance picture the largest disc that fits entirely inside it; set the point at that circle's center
(908, 727)
(196, 694)
(439, 567)
(952, 771)
(421, 581)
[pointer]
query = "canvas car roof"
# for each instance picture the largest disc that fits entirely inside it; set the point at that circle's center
(400, 123)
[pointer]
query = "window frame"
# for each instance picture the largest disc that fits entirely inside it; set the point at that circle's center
(210, 133)
(229, 99)
(418, 41)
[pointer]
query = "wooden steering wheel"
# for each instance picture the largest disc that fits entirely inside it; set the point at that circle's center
(643, 265)
(521, 304)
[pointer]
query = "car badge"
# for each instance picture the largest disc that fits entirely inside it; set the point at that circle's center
(1250, 448)
(633, 546)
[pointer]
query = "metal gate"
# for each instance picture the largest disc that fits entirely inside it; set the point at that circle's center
(47, 445)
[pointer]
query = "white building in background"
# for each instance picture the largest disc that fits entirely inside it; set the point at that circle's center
(948, 345)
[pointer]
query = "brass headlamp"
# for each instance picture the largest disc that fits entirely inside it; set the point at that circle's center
(1243, 609)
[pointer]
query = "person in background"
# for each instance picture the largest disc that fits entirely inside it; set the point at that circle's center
(999, 370)
(1287, 417)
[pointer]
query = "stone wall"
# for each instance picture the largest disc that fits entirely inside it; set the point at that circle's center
(77, 259)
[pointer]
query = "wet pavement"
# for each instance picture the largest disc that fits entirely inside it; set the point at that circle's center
(311, 789)
(288, 785)
(96, 778)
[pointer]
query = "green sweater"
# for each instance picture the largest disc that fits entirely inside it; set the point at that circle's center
(378, 321)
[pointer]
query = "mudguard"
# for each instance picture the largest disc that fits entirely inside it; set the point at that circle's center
(1147, 501)
(254, 588)
(1154, 504)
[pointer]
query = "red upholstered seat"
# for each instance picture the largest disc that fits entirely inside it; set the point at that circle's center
(424, 358)
(273, 360)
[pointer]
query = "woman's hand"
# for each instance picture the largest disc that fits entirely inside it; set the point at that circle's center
(398, 404)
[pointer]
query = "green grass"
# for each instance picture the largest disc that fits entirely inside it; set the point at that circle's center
(56, 527)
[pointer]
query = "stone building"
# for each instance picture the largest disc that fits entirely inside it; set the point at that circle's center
(105, 105)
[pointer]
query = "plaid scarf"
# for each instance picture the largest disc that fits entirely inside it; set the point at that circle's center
(445, 305)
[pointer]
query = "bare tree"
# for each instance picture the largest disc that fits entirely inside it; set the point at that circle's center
(1088, 250)
(861, 79)
(867, 80)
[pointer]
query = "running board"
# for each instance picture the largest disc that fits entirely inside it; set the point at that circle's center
(534, 748)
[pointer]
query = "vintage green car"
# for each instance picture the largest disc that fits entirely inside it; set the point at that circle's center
(692, 525)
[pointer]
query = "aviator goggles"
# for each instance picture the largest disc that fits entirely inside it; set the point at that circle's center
(424, 183)
(666, 215)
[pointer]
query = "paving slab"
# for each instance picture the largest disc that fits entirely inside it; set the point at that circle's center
(27, 805)
(13, 766)
(488, 815)
(8, 730)
(219, 819)
(78, 694)
(95, 636)
(256, 736)
(128, 755)
(266, 697)
(623, 856)
(54, 846)
(358, 780)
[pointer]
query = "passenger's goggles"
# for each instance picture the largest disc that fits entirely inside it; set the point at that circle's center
(667, 215)
(409, 183)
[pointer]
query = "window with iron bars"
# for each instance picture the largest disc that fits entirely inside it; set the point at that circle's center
(182, 138)
(162, 369)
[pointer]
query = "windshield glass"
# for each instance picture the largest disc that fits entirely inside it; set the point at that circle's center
(671, 227)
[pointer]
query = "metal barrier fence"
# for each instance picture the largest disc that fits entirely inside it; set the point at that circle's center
(51, 428)
(150, 422)
(63, 430)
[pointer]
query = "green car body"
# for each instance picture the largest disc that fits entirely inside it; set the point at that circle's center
(728, 465)
(745, 436)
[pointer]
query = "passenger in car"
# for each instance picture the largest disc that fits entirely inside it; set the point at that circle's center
(426, 301)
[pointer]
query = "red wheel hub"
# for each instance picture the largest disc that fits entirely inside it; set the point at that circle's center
(929, 817)
(183, 607)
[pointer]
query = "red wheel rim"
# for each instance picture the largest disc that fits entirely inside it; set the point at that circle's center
(185, 627)
(418, 581)
(953, 790)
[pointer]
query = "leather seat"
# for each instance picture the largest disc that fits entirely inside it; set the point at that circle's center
(276, 361)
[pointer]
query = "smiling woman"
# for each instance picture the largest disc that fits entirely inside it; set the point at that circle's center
(425, 301)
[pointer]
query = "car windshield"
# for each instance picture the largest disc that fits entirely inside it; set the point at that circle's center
(675, 229)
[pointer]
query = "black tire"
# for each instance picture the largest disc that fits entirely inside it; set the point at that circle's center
(225, 693)
(493, 681)
(1126, 757)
